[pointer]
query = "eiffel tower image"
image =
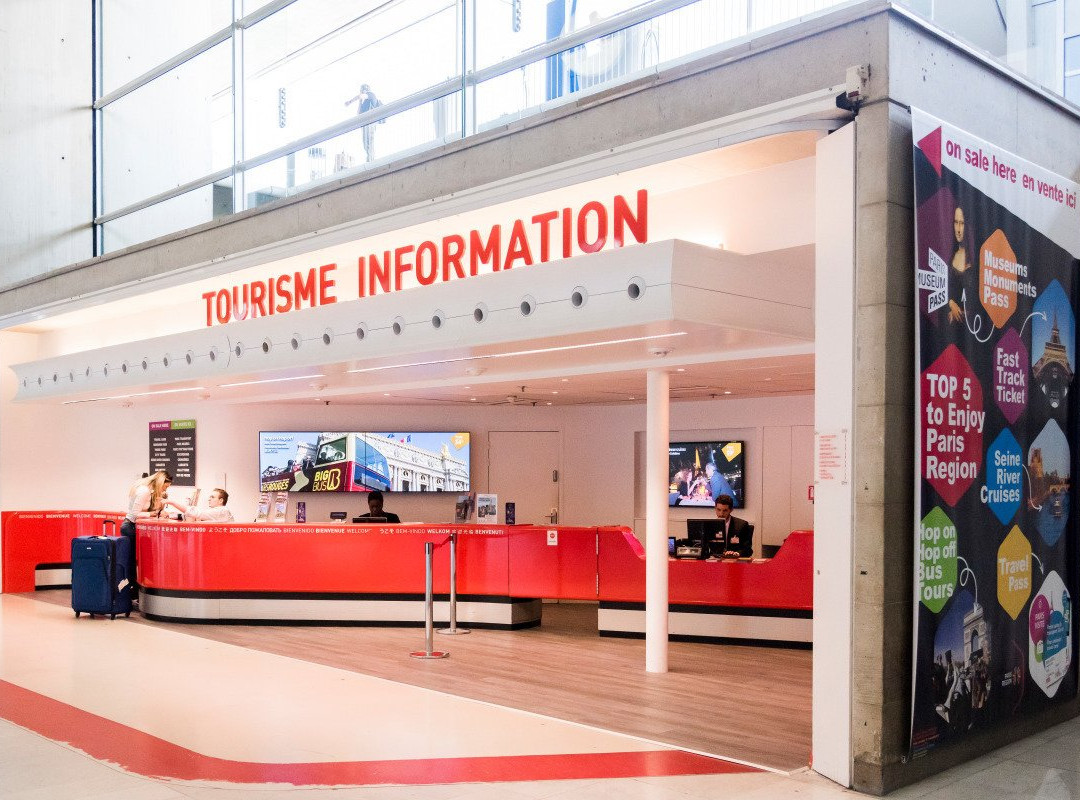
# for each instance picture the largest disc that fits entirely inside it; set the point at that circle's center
(1052, 371)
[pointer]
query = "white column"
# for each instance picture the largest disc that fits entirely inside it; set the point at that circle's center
(656, 509)
(834, 416)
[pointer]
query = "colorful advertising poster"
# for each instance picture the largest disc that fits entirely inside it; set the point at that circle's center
(487, 509)
(996, 242)
(335, 461)
(172, 448)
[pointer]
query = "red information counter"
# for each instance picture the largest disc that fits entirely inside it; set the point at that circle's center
(769, 601)
(338, 574)
(325, 574)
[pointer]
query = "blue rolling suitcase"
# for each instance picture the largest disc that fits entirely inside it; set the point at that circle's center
(99, 580)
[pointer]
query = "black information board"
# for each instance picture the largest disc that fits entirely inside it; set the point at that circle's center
(172, 448)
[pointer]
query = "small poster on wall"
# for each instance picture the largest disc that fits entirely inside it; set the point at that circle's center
(465, 508)
(172, 448)
(487, 509)
(263, 513)
(279, 508)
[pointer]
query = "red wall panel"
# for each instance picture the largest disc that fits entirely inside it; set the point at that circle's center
(43, 537)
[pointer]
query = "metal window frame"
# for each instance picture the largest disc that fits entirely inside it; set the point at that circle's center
(465, 83)
(1068, 73)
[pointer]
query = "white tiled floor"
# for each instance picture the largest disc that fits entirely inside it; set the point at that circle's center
(230, 702)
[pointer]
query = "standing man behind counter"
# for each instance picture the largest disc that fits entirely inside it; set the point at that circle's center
(213, 511)
(736, 536)
(375, 509)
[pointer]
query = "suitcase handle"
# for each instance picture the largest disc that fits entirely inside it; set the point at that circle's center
(105, 523)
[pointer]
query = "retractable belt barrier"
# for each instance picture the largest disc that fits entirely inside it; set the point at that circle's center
(453, 630)
(428, 652)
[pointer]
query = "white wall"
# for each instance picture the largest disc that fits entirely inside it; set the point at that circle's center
(86, 457)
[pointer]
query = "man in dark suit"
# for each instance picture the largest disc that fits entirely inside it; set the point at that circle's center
(375, 509)
(737, 535)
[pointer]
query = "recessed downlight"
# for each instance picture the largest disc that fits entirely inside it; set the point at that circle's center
(579, 297)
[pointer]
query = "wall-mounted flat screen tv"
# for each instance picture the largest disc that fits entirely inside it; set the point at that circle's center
(351, 461)
(698, 472)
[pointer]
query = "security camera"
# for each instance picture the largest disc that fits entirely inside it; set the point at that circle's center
(857, 82)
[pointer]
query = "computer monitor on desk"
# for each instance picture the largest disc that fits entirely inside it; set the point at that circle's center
(703, 530)
(368, 520)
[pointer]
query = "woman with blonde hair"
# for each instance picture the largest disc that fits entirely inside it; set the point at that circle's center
(146, 498)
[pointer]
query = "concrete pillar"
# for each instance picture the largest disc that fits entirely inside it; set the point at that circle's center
(884, 461)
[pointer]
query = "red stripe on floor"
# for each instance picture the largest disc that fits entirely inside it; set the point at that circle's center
(147, 755)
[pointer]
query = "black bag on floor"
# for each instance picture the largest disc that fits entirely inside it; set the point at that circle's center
(99, 579)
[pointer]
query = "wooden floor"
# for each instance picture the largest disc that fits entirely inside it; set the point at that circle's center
(747, 703)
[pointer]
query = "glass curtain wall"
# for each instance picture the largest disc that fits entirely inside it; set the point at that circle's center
(209, 107)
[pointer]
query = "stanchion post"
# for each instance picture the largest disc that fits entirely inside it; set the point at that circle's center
(429, 601)
(453, 630)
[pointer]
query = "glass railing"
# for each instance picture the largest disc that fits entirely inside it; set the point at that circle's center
(1040, 39)
(277, 104)
(302, 92)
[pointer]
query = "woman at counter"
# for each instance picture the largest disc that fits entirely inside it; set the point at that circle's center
(146, 498)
